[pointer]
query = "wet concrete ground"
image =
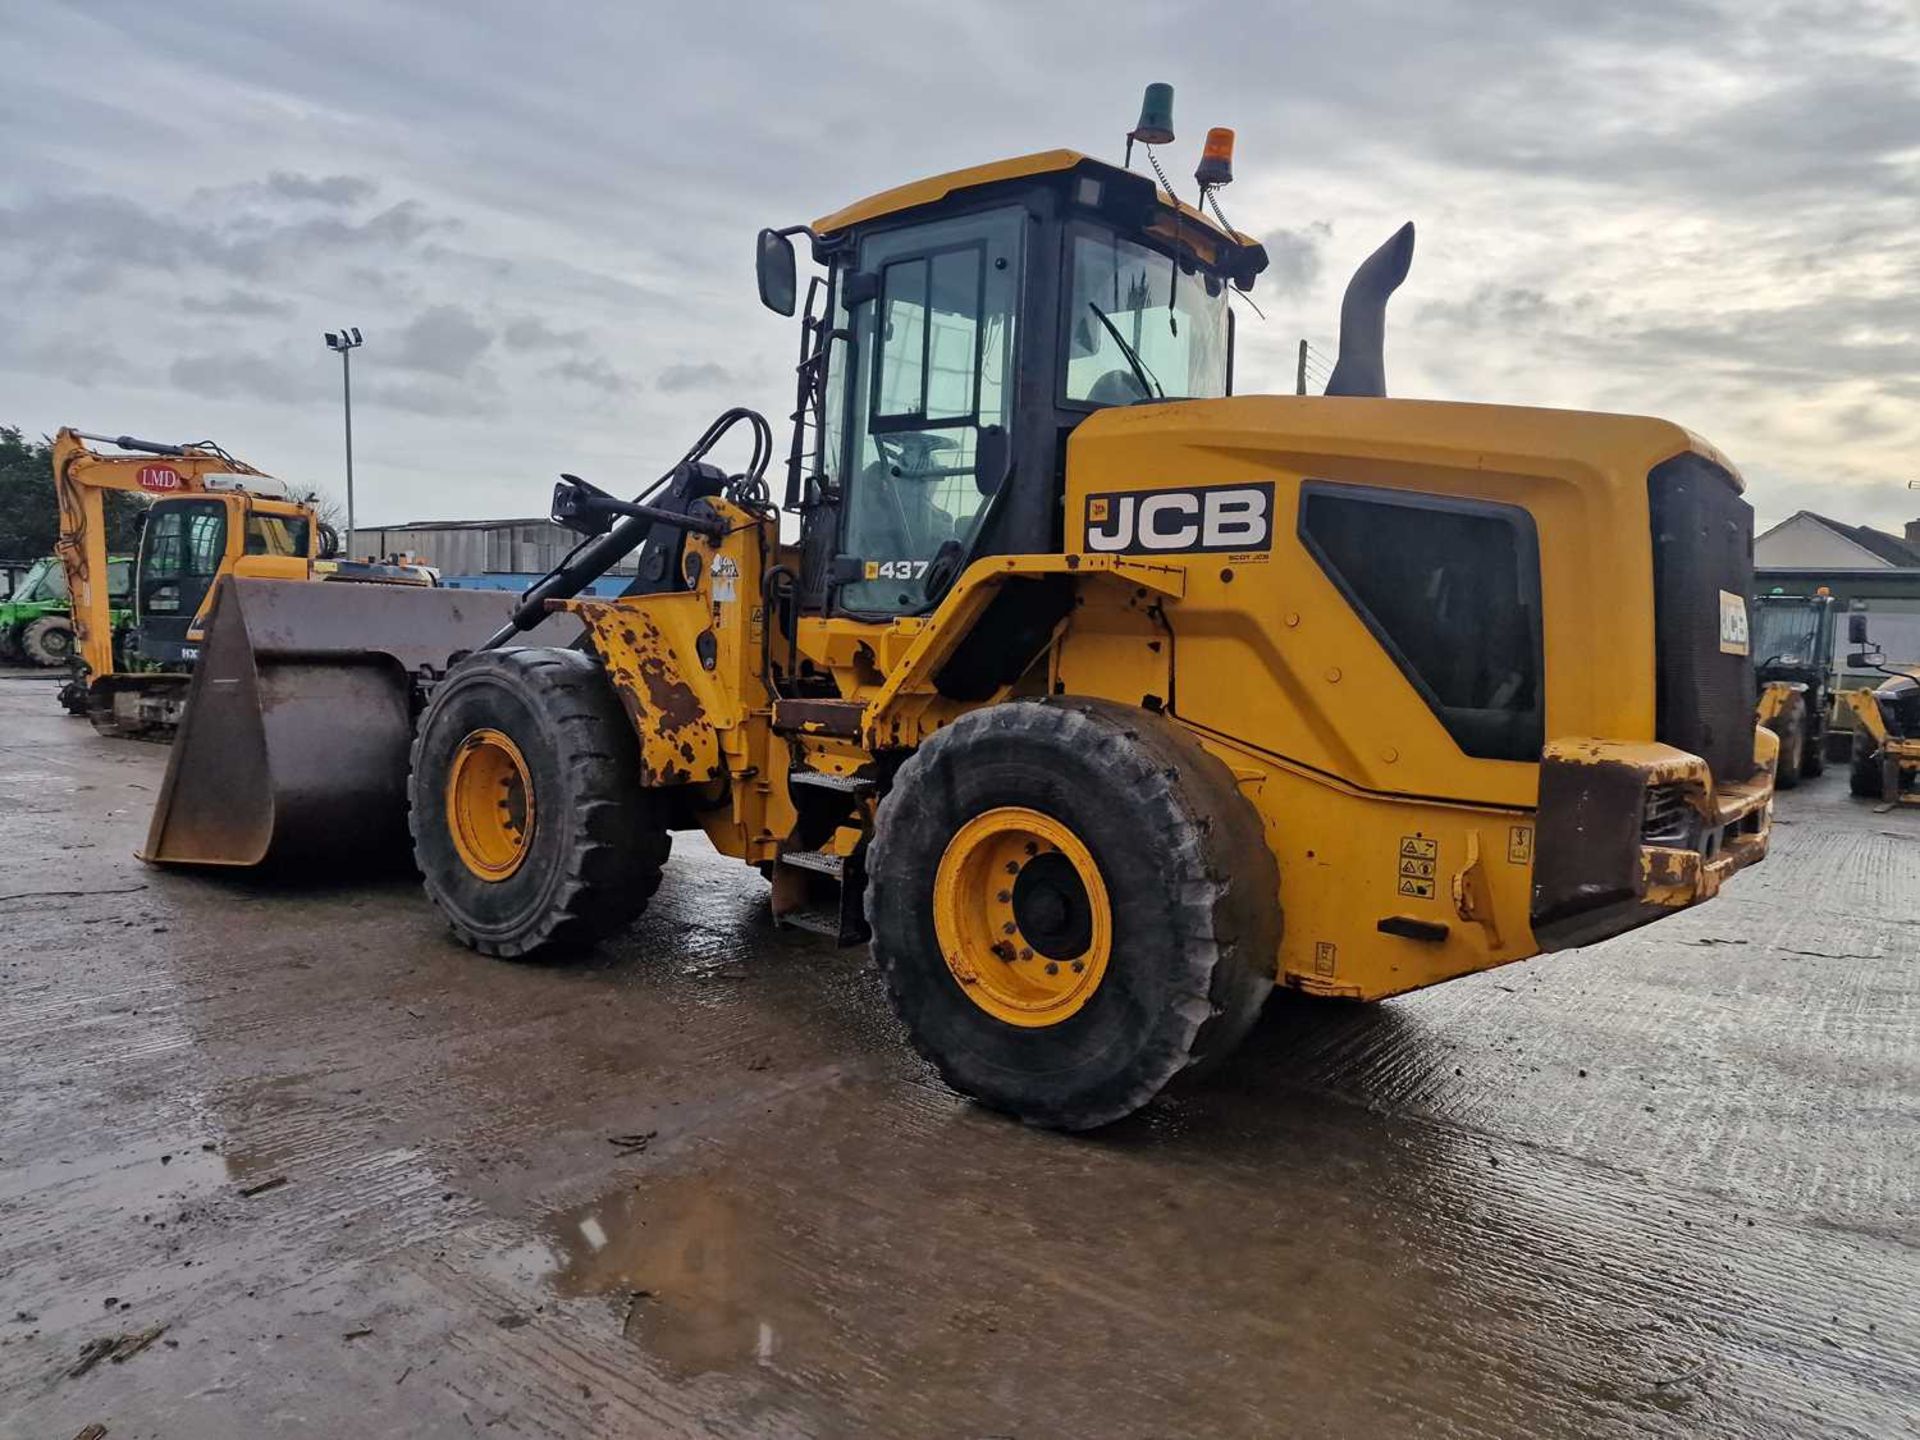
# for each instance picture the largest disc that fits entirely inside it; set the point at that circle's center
(370, 1184)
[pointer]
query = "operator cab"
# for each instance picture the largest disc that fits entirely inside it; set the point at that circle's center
(965, 325)
(185, 543)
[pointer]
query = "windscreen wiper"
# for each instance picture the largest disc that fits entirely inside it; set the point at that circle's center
(1148, 385)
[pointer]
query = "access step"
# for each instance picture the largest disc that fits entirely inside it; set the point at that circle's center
(839, 784)
(822, 892)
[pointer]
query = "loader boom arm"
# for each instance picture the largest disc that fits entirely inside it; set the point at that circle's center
(81, 477)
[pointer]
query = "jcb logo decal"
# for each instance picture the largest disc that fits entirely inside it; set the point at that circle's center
(1199, 517)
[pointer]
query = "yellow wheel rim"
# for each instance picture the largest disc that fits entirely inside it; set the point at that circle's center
(1022, 917)
(490, 804)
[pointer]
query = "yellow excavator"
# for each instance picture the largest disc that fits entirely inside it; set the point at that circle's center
(210, 515)
(1096, 697)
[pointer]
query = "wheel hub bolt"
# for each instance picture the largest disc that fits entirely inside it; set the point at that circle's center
(1052, 969)
(1026, 954)
(1004, 896)
(1007, 929)
(1032, 849)
(1079, 966)
(1013, 867)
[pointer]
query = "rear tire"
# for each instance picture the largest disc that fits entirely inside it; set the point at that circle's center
(1791, 726)
(1813, 754)
(1864, 776)
(586, 853)
(48, 641)
(1186, 905)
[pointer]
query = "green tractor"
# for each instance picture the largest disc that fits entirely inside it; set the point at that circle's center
(35, 623)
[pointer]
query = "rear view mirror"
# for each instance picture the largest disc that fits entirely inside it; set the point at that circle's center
(1856, 629)
(1866, 660)
(774, 266)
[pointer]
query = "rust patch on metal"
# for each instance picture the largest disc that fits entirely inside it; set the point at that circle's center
(675, 706)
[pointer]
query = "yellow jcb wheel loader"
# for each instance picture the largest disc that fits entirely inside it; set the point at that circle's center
(1886, 725)
(1100, 699)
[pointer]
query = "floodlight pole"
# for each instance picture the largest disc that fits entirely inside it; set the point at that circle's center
(346, 341)
(346, 399)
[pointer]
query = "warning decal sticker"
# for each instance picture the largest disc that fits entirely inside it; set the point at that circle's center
(1418, 860)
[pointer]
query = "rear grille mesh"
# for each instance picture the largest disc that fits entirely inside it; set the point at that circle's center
(1702, 545)
(1668, 817)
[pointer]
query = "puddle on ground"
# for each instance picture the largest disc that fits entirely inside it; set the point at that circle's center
(693, 1268)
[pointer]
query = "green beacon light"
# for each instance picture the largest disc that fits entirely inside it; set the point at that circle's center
(1156, 116)
(1156, 119)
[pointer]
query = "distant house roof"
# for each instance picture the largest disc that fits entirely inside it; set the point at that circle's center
(1888, 549)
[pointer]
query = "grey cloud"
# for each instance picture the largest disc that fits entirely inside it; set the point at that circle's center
(245, 304)
(1701, 206)
(593, 372)
(93, 238)
(82, 361)
(342, 190)
(427, 395)
(529, 332)
(246, 375)
(676, 379)
(1294, 257)
(1495, 309)
(444, 340)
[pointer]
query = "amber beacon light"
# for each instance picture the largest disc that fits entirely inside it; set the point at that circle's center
(1216, 158)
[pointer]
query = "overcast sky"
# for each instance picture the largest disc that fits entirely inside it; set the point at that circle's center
(542, 216)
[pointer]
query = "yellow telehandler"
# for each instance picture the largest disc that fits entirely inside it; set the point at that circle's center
(1098, 698)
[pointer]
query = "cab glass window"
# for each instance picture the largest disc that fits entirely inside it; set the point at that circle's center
(1136, 331)
(1451, 590)
(187, 539)
(48, 581)
(119, 580)
(277, 535)
(931, 364)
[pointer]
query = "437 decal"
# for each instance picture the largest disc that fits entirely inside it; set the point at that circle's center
(896, 569)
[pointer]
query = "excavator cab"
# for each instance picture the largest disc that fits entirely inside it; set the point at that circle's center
(187, 544)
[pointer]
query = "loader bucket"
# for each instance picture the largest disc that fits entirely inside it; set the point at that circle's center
(294, 745)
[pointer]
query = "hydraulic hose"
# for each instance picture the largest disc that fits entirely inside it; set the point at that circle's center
(598, 554)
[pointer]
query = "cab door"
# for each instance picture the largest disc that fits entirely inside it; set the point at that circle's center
(183, 550)
(933, 363)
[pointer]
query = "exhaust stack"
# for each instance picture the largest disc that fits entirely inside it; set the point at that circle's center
(1362, 366)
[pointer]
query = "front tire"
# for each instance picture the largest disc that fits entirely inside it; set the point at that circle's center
(1865, 777)
(529, 822)
(1072, 905)
(1813, 753)
(48, 641)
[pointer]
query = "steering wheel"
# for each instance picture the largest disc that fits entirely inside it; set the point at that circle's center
(912, 459)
